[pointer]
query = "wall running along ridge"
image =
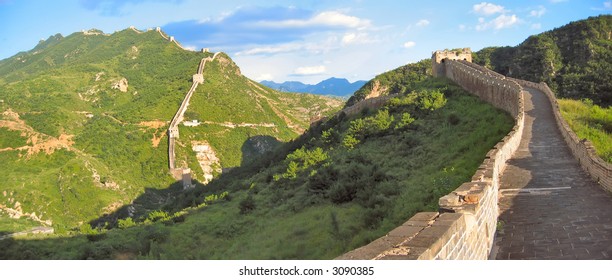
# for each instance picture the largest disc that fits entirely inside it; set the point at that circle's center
(465, 226)
(173, 131)
(582, 149)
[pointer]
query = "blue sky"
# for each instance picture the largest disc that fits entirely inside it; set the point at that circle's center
(302, 40)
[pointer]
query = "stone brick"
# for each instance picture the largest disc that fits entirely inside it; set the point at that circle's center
(450, 200)
(406, 231)
(424, 216)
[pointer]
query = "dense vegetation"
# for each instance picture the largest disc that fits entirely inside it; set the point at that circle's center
(338, 186)
(574, 60)
(590, 121)
(74, 148)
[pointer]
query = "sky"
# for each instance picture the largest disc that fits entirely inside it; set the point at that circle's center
(305, 41)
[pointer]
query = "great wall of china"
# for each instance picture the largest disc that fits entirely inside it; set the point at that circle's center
(465, 225)
(173, 131)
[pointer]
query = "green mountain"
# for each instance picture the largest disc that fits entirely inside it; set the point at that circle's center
(344, 182)
(574, 60)
(84, 120)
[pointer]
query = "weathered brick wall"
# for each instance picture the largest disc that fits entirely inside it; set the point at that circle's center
(374, 102)
(466, 222)
(582, 150)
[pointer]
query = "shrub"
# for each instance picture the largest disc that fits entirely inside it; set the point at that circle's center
(350, 141)
(247, 205)
(342, 192)
(157, 215)
(453, 119)
(431, 100)
(320, 182)
(126, 223)
(404, 121)
(329, 136)
(379, 122)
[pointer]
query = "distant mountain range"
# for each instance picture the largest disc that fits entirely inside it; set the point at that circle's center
(331, 86)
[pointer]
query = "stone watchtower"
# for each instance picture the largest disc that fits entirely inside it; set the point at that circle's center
(439, 58)
(198, 78)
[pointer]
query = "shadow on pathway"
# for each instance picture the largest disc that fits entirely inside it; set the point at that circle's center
(550, 208)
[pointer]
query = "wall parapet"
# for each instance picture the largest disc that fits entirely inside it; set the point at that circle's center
(582, 149)
(465, 224)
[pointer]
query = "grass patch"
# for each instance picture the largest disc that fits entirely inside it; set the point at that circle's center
(591, 122)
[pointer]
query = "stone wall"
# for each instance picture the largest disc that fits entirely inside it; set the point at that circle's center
(372, 103)
(466, 222)
(582, 149)
(173, 131)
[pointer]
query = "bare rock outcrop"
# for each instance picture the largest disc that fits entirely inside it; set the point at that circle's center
(377, 90)
(121, 85)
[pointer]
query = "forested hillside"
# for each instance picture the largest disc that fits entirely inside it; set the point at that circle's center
(574, 60)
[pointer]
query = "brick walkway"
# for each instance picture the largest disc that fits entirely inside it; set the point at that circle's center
(550, 208)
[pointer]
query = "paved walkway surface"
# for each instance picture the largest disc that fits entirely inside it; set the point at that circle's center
(550, 208)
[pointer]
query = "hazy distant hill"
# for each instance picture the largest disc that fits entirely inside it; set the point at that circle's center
(331, 86)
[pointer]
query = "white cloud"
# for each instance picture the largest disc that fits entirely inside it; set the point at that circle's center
(327, 18)
(540, 11)
(357, 38)
(536, 26)
(312, 46)
(422, 23)
(409, 44)
(487, 9)
(500, 22)
(557, 1)
(608, 5)
(349, 38)
(264, 76)
(462, 27)
(309, 70)
(284, 48)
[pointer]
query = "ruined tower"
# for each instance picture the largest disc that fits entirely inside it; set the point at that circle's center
(439, 58)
